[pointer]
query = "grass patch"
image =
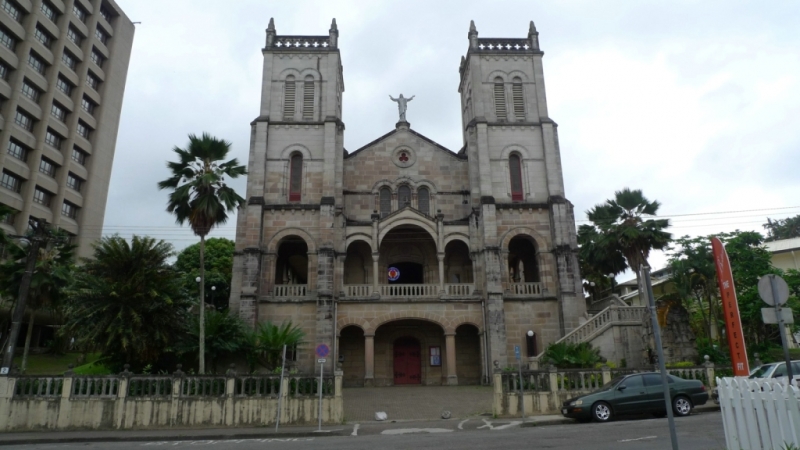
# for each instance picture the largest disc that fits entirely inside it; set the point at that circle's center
(48, 364)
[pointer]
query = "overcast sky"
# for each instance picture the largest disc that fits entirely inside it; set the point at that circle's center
(697, 103)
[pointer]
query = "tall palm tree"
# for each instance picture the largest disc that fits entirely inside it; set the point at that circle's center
(201, 197)
(624, 229)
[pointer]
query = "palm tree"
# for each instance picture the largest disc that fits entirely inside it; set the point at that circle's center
(201, 197)
(128, 302)
(623, 228)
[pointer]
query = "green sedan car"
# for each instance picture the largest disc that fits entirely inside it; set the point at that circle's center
(634, 394)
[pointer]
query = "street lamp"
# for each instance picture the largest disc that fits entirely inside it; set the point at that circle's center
(531, 341)
(213, 289)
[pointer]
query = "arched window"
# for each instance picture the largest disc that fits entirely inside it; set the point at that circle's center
(295, 177)
(403, 196)
(424, 201)
(518, 99)
(500, 99)
(515, 172)
(289, 91)
(308, 98)
(386, 202)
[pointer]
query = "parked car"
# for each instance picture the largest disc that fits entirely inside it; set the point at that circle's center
(637, 393)
(775, 370)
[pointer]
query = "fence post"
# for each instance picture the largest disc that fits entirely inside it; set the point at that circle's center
(177, 379)
(122, 394)
(499, 395)
(286, 398)
(230, 392)
(553, 404)
(65, 406)
(710, 372)
(606, 373)
(337, 408)
(757, 360)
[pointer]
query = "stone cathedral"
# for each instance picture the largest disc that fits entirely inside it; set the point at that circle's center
(412, 262)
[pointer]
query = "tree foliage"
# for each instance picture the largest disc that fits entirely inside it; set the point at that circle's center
(218, 269)
(566, 355)
(224, 334)
(127, 302)
(782, 228)
(264, 344)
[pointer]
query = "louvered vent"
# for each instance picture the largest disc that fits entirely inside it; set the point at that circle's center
(308, 100)
(519, 101)
(289, 99)
(500, 100)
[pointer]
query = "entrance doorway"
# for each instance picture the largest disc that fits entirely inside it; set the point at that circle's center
(407, 361)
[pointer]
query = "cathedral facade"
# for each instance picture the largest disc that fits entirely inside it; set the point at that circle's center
(411, 262)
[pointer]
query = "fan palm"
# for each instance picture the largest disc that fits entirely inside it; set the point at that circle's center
(201, 197)
(623, 228)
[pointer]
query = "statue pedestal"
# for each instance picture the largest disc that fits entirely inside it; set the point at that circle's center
(402, 125)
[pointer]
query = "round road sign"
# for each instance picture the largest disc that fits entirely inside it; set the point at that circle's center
(765, 290)
(322, 350)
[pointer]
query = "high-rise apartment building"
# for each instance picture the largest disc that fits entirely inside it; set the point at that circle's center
(63, 65)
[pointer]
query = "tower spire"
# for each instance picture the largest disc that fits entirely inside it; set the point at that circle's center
(270, 33)
(334, 34)
(472, 35)
(533, 36)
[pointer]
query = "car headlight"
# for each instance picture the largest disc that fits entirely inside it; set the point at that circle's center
(576, 403)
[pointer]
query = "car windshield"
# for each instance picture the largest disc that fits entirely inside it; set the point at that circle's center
(761, 371)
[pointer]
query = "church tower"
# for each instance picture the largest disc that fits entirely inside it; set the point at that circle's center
(516, 179)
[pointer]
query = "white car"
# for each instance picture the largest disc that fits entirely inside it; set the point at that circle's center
(775, 370)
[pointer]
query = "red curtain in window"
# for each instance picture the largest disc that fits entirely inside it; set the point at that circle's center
(515, 169)
(295, 177)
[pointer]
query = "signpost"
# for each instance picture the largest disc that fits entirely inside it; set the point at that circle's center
(521, 396)
(322, 351)
(774, 291)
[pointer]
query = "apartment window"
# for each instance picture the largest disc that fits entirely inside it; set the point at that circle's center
(87, 105)
(385, 199)
(16, 150)
(308, 98)
(37, 63)
(49, 11)
(79, 156)
(98, 58)
(500, 99)
(289, 91)
(69, 210)
(53, 139)
(23, 120)
(28, 90)
(4, 71)
(42, 197)
(101, 35)
(69, 60)
(47, 167)
(43, 37)
(106, 13)
(64, 86)
(92, 81)
(83, 129)
(518, 99)
(515, 173)
(74, 36)
(11, 182)
(59, 112)
(74, 182)
(424, 201)
(295, 177)
(7, 39)
(79, 12)
(12, 9)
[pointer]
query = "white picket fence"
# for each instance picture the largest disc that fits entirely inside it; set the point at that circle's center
(759, 414)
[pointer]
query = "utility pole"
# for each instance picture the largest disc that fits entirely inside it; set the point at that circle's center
(24, 286)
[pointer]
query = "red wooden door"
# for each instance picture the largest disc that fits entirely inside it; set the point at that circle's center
(407, 361)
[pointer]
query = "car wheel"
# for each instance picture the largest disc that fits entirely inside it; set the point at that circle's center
(682, 406)
(601, 412)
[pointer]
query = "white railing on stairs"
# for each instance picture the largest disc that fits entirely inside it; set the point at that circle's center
(613, 315)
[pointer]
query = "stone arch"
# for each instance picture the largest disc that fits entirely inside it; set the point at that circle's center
(518, 73)
(538, 239)
(355, 237)
(398, 221)
(458, 323)
(515, 148)
(286, 153)
(376, 188)
(495, 74)
(274, 242)
(426, 316)
(345, 322)
(290, 71)
(428, 184)
(313, 72)
(457, 236)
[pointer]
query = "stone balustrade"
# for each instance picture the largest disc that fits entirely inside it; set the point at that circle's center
(525, 289)
(290, 290)
(613, 315)
(409, 290)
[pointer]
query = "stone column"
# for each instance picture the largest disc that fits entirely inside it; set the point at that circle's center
(369, 359)
(440, 256)
(450, 348)
(375, 289)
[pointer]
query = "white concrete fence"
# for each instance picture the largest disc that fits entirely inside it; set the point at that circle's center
(759, 414)
(129, 401)
(544, 391)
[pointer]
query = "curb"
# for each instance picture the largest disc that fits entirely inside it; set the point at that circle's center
(543, 423)
(180, 437)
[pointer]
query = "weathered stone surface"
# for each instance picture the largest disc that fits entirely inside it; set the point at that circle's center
(677, 337)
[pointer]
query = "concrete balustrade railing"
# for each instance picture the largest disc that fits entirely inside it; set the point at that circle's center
(529, 289)
(290, 290)
(126, 401)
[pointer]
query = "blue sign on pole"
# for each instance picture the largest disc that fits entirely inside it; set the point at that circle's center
(516, 352)
(322, 350)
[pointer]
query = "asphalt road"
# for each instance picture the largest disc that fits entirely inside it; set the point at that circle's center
(701, 431)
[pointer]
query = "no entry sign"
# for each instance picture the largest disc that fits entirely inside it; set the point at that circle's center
(322, 350)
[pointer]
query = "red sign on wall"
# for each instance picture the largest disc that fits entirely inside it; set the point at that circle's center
(730, 310)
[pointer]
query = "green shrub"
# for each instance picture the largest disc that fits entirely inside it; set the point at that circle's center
(566, 355)
(681, 365)
(93, 368)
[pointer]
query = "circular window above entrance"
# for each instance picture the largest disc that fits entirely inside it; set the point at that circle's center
(404, 156)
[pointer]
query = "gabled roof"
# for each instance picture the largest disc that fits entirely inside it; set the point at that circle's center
(428, 140)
